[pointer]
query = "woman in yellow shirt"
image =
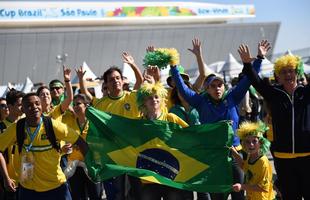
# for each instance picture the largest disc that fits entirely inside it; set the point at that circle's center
(81, 185)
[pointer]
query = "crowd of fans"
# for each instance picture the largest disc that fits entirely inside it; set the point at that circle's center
(43, 134)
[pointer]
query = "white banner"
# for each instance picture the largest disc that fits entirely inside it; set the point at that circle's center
(47, 11)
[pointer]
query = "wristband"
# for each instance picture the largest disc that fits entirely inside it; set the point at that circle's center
(67, 81)
(260, 57)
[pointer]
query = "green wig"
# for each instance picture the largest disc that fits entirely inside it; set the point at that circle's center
(256, 129)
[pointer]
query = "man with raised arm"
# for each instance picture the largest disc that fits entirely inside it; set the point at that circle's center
(220, 104)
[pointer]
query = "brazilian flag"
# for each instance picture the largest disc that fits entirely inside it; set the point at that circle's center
(194, 158)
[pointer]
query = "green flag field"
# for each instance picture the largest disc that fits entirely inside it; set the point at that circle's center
(194, 158)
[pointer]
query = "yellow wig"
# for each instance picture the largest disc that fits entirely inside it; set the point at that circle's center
(147, 90)
(289, 61)
(256, 129)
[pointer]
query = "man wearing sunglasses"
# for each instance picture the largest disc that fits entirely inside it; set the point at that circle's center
(57, 91)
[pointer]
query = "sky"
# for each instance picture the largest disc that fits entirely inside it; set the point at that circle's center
(294, 17)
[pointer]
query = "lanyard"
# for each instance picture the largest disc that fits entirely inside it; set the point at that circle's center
(32, 135)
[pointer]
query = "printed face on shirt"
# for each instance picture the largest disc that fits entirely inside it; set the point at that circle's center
(32, 107)
(251, 144)
(152, 103)
(114, 82)
(287, 77)
(45, 96)
(216, 89)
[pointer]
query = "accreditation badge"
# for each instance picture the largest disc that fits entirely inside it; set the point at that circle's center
(27, 167)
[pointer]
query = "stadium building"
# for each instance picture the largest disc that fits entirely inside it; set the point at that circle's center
(36, 38)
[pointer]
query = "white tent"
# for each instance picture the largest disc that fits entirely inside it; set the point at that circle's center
(216, 66)
(231, 68)
(208, 70)
(3, 90)
(288, 52)
(89, 75)
(129, 74)
(25, 87)
(28, 85)
(266, 69)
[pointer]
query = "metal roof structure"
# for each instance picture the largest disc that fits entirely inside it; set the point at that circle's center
(32, 51)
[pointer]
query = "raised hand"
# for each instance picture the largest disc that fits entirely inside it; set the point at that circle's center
(154, 72)
(80, 73)
(148, 78)
(263, 47)
(150, 48)
(67, 73)
(245, 53)
(127, 58)
(196, 47)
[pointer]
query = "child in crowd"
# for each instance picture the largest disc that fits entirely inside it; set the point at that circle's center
(257, 169)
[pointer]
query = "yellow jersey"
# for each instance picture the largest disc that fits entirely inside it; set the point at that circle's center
(13, 157)
(259, 173)
(70, 120)
(47, 173)
(124, 105)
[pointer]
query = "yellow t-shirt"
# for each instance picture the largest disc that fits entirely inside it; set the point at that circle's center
(55, 113)
(71, 121)
(170, 117)
(124, 106)
(259, 173)
(47, 172)
(13, 157)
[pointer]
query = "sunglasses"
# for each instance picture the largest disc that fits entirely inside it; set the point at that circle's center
(55, 88)
(3, 106)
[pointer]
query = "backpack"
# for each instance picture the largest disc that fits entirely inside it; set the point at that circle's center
(21, 134)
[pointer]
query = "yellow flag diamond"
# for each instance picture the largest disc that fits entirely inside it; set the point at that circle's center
(189, 167)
